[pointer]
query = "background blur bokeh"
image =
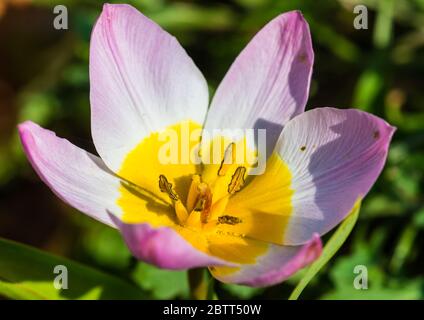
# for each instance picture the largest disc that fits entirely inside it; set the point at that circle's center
(44, 78)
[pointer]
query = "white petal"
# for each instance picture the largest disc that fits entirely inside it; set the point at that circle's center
(141, 81)
(74, 175)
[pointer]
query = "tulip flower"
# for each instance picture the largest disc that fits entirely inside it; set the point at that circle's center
(255, 230)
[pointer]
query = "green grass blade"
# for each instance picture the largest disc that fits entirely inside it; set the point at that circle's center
(330, 249)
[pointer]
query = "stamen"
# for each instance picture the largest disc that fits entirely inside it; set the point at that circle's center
(166, 187)
(237, 180)
(193, 192)
(181, 211)
(204, 202)
(199, 205)
(231, 220)
(229, 159)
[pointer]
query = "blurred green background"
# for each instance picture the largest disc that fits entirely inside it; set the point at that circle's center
(44, 78)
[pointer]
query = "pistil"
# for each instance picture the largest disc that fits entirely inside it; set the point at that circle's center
(199, 207)
(204, 202)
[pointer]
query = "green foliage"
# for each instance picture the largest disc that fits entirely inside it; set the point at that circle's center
(44, 77)
(242, 292)
(106, 248)
(162, 284)
(379, 287)
(329, 250)
(27, 273)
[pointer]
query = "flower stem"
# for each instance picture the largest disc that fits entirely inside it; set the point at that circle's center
(198, 283)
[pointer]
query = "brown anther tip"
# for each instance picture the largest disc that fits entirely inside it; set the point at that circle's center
(166, 187)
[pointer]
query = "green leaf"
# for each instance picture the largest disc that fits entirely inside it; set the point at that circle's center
(342, 271)
(330, 249)
(190, 16)
(383, 25)
(368, 87)
(242, 292)
(419, 218)
(28, 273)
(106, 247)
(201, 284)
(404, 248)
(162, 284)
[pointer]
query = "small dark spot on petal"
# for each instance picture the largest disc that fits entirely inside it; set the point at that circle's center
(376, 134)
(303, 57)
(302, 148)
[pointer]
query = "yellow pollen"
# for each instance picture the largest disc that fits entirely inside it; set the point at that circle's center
(209, 204)
(199, 198)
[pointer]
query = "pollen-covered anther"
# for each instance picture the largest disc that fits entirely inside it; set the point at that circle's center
(166, 187)
(180, 209)
(227, 219)
(237, 180)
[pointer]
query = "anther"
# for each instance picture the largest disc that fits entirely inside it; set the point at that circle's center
(237, 180)
(231, 220)
(166, 187)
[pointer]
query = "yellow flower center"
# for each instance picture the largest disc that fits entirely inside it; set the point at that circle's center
(214, 203)
(199, 208)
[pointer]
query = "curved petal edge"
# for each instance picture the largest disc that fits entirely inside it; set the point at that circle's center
(77, 177)
(277, 265)
(163, 247)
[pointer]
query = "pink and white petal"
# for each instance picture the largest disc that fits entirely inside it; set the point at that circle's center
(77, 177)
(163, 247)
(278, 264)
(334, 157)
(141, 80)
(268, 83)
